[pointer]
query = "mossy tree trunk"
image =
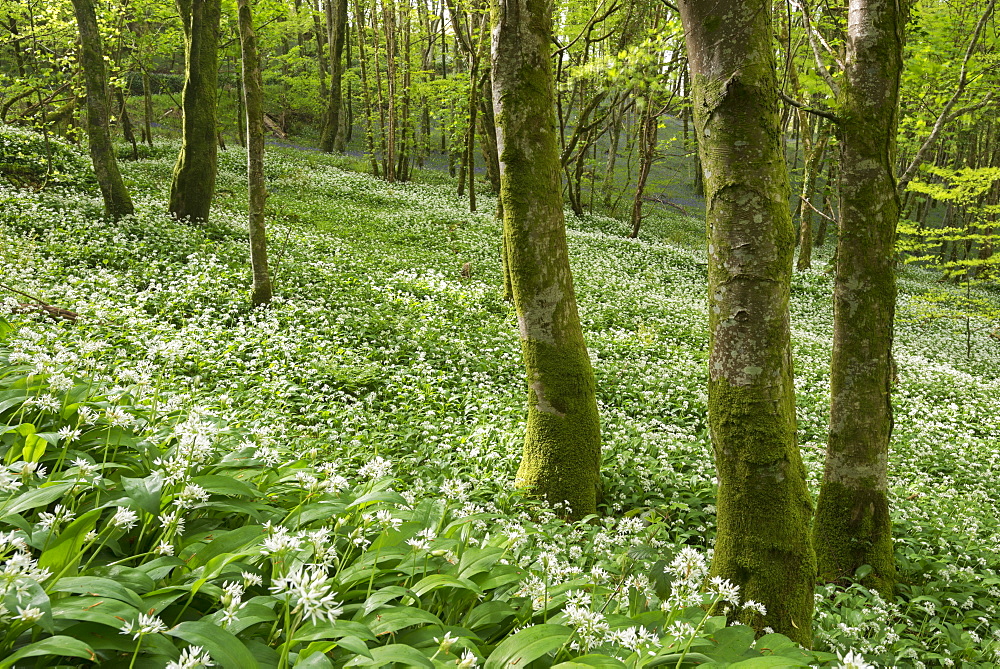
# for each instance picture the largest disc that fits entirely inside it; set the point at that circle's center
(194, 174)
(254, 97)
(852, 518)
(117, 202)
(764, 508)
(561, 459)
(336, 27)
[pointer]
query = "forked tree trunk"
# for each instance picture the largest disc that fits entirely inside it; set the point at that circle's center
(194, 174)
(764, 509)
(117, 202)
(852, 517)
(562, 458)
(254, 96)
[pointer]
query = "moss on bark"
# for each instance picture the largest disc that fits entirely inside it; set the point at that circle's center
(764, 509)
(852, 518)
(193, 182)
(561, 460)
(117, 202)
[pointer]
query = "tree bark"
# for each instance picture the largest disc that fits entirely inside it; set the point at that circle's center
(336, 27)
(117, 202)
(852, 517)
(193, 184)
(254, 100)
(764, 507)
(561, 459)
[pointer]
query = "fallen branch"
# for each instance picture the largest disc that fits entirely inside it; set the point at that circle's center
(55, 313)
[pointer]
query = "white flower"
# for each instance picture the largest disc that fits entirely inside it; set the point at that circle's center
(467, 661)
(144, 624)
(310, 593)
(378, 467)
(164, 548)
(68, 434)
(191, 657)
(29, 615)
(755, 606)
(59, 515)
(124, 518)
(724, 589)
(853, 661)
(249, 578)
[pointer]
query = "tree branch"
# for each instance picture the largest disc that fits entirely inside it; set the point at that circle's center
(818, 112)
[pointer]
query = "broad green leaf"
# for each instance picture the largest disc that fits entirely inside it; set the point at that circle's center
(355, 645)
(386, 594)
(437, 581)
(62, 646)
(232, 541)
(145, 492)
(226, 485)
(37, 497)
(498, 576)
(314, 656)
(591, 661)
(377, 496)
(226, 650)
(489, 613)
(316, 511)
(478, 560)
(135, 579)
(732, 642)
(408, 656)
(762, 662)
(34, 448)
(334, 630)
(249, 615)
(99, 587)
(103, 610)
(65, 550)
(398, 617)
(527, 646)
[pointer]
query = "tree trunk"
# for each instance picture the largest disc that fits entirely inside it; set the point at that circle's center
(254, 97)
(647, 152)
(194, 174)
(127, 131)
(852, 516)
(763, 504)
(815, 156)
(561, 460)
(336, 27)
(147, 109)
(117, 202)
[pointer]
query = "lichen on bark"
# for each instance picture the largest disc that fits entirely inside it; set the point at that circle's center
(853, 526)
(764, 509)
(561, 457)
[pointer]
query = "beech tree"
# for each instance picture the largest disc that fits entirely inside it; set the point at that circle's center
(561, 459)
(117, 202)
(193, 184)
(764, 508)
(852, 518)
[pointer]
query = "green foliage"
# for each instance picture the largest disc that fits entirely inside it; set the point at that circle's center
(368, 425)
(30, 160)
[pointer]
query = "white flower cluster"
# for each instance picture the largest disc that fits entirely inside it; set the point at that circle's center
(309, 593)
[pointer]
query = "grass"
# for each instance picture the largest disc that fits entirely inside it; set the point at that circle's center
(381, 396)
